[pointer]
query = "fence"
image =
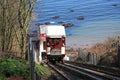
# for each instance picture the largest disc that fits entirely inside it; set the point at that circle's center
(33, 72)
(91, 58)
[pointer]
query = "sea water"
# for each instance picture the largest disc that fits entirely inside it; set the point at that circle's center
(101, 19)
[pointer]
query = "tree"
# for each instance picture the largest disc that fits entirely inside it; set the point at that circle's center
(14, 21)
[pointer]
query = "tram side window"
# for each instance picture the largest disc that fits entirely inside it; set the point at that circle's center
(55, 42)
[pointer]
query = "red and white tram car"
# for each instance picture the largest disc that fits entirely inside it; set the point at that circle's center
(52, 42)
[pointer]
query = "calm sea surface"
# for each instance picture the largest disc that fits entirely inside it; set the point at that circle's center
(101, 19)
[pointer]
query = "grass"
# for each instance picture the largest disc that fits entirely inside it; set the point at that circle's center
(42, 69)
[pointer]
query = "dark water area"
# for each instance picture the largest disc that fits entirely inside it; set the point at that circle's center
(101, 19)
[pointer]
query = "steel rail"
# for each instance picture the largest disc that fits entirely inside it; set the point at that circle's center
(59, 72)
(99, 74)
(109, 71)
(81, 74)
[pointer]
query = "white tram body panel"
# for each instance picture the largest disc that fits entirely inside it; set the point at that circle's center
(55, 31)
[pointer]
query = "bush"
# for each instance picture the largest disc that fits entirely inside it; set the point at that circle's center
(2, 77)
(11, 67)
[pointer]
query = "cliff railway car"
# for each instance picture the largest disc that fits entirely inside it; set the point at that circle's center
(53, 42)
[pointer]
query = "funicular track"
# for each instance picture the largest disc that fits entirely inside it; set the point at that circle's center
(87, 74)
(107, 70)
(61, 73)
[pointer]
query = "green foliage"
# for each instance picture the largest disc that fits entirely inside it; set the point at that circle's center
(2, 77)
(11, 67)
(42, 69)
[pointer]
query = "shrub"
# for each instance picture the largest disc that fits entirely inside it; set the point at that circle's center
(2, 77)
(11, 67)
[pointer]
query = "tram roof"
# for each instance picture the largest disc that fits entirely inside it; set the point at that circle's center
(53, 30)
